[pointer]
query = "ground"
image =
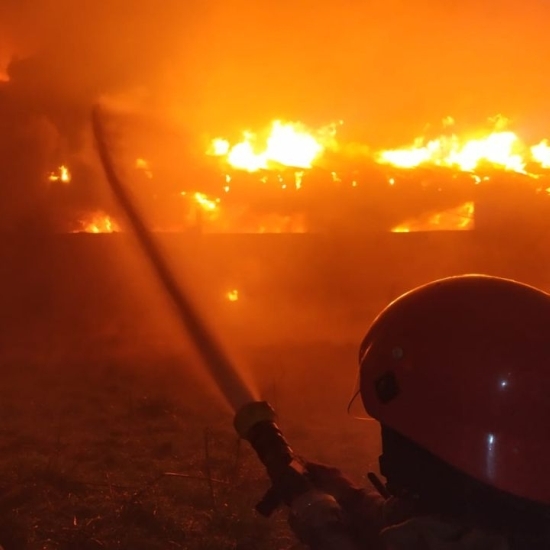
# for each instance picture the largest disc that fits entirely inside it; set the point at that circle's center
(130, 453)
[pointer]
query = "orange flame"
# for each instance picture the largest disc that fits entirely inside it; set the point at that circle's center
(206, 203)
(501, 149)
(62, 174)
(541, 153)
(287, 144)
(460, 218)
(98, 222)
(233, 295)
(293, 145)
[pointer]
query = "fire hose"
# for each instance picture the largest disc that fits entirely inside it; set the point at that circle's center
(255, 421)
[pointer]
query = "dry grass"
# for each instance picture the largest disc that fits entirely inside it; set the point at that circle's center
(88, 450)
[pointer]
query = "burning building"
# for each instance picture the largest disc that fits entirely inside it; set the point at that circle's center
(215, 70)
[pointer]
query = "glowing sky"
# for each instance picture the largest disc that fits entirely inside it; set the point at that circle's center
(387, 67)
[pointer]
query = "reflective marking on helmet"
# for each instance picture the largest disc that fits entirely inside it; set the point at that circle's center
(386, 387)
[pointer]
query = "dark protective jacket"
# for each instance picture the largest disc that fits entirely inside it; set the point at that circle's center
(393, 525)
(377, 523)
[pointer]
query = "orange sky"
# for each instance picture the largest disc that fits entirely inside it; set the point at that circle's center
(387, 67)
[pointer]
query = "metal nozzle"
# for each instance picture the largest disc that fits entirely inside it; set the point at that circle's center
(255, 422)
(252, 414)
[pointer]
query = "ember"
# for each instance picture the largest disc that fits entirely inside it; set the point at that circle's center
(62, 174)
(233, 295)
(293, 145)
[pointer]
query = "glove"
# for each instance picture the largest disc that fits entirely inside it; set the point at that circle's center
(364, 510)
(331, 480)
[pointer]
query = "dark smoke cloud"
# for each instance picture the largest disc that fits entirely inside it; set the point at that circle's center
(386, 67)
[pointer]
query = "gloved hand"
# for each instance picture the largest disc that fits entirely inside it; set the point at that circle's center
(332, 481)
(364, 510)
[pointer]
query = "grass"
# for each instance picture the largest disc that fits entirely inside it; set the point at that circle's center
(89, 451)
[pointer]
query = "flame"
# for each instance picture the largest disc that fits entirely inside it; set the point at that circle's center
(208, 204)
(233, 295)
(502, 149)
(201, 210)
(460, 218)
(98, 222)
(541, 153)
(292, 144)
(62, 174)
(287, 144)
(219, 147)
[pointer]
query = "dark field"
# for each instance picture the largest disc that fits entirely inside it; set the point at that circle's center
(103, 399)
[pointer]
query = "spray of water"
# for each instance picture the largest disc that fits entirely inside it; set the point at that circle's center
(223, 371)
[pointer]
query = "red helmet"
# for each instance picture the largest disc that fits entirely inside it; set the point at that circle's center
(461, 367)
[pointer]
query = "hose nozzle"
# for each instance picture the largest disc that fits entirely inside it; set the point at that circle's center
(255, 422)
(251, 414)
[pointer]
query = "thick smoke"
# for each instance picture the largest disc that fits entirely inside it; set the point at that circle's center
(211, 66)
(60, 57)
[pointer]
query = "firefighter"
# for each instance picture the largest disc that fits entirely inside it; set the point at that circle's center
(457, 373)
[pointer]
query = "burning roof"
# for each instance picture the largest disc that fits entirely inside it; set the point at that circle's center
(227, 66)
(289, 178)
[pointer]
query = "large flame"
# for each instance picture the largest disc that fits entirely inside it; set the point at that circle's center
(293, 145)
(287, 144)
(289, 150)
(501, 149)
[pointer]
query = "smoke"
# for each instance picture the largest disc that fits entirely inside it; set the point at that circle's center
(386, 67)
(59, 57)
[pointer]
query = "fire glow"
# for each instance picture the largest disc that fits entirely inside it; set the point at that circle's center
(500, 149)
(98, 222)
(285, 154)
(61, 175)
(287, 144)
(292, 144)
(232, 295)
(454, 219)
